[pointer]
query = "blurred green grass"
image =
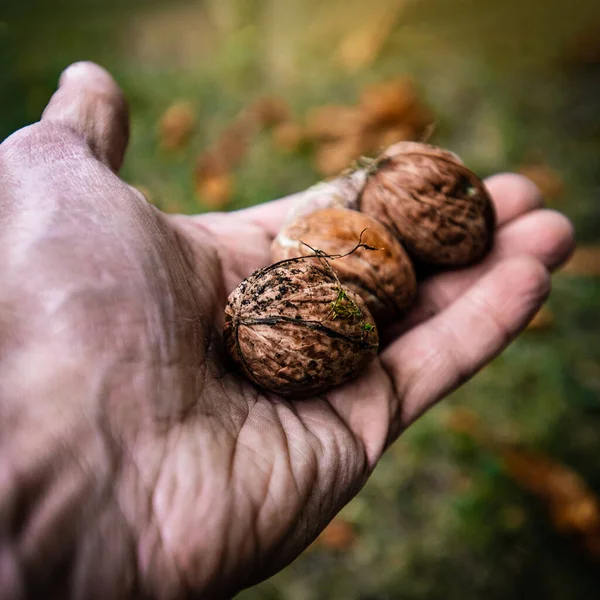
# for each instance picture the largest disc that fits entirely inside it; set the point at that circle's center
(510, 83)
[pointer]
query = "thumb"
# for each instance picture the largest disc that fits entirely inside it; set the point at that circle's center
(90, 102)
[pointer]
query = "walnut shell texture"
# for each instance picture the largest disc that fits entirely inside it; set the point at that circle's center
(293, 330)
(384, 278)
(435, 205)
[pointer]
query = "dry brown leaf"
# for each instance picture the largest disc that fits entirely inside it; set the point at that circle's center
(465, 421)
(333, 122)
(215, 191)
(573, 506)
(338, 535)
(334, 157)
(547, 179)
(288, 136)
(544, 319)
(394, 112)
(270, 110)
(421, 118)
(388, 102)
(177, 126)
(388, 112)
(393, 135)
(233, 144)
(212, 174)
(585, 261)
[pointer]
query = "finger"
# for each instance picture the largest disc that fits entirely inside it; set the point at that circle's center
(545, 235)
(433, 359)
(270, 216)
(243, 246)
(89, 102)
(513, 195)
(247, 238)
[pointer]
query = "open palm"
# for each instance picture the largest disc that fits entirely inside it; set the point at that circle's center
(147, 466)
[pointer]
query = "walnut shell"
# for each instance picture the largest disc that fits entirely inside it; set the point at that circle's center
(384, 278)
(435, 205)
(293, 330)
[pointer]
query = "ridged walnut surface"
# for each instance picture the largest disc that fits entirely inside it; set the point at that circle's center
(281, 329)
(384, 278)
(435, 205)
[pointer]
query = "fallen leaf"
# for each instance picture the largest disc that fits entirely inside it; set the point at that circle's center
(388, 102)
(333, 122)
(215, 191)
(212, 174)
(270, 110)
(544, 319)
(177, 126)
(333, 158)
(401, 133)
(233, 144)
(388, 112)
(585, 261)
(338, 535)
(395, 105)
(288, 136)
(465, 421)
(573, 506)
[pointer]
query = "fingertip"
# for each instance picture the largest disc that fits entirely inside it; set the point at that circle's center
(546, 234)
(556, 237)
(525, 282)
(89, 74)
(513, 195)
(90, 102)
(565, 240)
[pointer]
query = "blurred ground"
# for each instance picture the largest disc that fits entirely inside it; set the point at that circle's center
(495, 493)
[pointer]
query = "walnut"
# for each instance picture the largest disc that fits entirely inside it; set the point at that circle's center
(294, 330)
(383, 277)
(435, 205)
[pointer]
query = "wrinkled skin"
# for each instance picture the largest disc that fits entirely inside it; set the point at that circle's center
(134, 461)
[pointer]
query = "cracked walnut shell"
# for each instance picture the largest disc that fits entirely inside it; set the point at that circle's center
(294, 330)
(383, 277)
(433, 203)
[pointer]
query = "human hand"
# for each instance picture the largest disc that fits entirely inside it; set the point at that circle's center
(134, 461)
